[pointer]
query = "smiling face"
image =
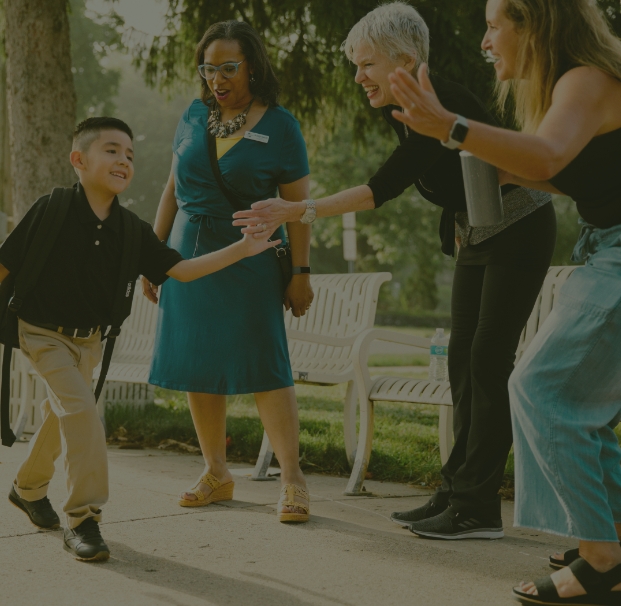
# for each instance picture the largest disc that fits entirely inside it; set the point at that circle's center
(230, 93)
(107, 164)
(501, 40)
(373, 71)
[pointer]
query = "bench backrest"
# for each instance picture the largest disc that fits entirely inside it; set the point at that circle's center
(344, 304)
(543, 306)
(135, 345)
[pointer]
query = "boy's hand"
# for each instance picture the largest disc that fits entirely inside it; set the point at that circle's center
(257, 242)
(149, 290)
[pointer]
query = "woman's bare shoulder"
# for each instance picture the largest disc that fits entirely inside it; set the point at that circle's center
(588, 78)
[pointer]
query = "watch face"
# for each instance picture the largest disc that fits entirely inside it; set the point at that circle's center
(459, 132)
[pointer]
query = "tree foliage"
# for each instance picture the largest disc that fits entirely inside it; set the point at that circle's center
(91, 42)
(303, 38)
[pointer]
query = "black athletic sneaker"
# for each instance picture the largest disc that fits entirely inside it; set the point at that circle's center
(429, 510)
(41, 513)
(452, 525)
(84, 542)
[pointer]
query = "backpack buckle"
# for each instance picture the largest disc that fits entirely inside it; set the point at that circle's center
(113, 332)
(15, 304)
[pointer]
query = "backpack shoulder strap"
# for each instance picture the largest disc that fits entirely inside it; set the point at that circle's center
(26, 279)
(39, 250)
(122, 306)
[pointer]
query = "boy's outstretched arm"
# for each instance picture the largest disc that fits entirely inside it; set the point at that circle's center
(192, 269)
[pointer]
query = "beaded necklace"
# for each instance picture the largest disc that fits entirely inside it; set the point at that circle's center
(222, 130)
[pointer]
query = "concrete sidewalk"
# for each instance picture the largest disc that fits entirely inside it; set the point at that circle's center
(349, 554)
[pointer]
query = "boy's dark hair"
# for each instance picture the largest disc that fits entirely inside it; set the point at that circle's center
(265, 85)
(88, 130)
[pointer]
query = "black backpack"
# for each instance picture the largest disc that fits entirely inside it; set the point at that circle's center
(16, 287)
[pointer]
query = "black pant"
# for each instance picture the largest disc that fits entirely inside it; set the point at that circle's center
(490, 306)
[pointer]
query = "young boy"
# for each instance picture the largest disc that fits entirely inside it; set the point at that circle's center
(62, 320)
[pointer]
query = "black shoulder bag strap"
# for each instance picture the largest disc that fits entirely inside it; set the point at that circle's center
(25, 280)
(283, 252)
(122, 306)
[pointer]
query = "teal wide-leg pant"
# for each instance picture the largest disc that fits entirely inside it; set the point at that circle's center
(566, 401)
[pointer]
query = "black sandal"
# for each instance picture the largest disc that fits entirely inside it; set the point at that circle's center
(598, 586)
(568, 557)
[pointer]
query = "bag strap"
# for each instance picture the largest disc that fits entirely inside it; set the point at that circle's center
(228, 194)
(122, 306)
(44, 239)
(217, 173)
(6, 433)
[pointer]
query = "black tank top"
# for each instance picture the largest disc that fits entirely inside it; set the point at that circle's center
(593, 180)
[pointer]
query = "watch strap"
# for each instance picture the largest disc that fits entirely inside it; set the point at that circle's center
(301, 270)
(458, 134)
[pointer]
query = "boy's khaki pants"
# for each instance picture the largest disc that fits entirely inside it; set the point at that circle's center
(70, 425)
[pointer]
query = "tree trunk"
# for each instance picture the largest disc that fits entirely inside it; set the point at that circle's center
(40, 97)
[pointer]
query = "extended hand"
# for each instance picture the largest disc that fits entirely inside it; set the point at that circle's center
(422, 110)
(257, 241)
(270, 214)
(299, 295)
(149, 290)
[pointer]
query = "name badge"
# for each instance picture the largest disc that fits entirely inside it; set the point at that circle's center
(256, 137)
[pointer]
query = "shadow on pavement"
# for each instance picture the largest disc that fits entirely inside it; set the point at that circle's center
(196, 582)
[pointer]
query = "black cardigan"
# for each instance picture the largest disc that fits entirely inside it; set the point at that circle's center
(426, 163)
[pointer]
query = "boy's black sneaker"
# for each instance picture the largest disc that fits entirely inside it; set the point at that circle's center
(41, 513)
(84, 542)
(429, 510)
(452, 525)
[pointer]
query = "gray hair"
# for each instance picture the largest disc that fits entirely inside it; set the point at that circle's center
(394, 29)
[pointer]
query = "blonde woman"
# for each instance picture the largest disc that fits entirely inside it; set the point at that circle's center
(562, 65)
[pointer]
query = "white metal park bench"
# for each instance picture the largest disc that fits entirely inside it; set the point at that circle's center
(415, 391)
(126, 380)
(323, 347)
(329, 346)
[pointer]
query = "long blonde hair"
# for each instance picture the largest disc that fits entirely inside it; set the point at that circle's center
(556, 35)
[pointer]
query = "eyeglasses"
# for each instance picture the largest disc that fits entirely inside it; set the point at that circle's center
(228, 70)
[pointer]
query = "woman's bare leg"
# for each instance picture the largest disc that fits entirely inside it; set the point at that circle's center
(209, 416)
(278, 410)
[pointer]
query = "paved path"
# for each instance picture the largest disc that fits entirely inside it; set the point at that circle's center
(350, 554)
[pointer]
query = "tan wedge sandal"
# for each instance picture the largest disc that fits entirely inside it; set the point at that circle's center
(219, 492)
(287, 499)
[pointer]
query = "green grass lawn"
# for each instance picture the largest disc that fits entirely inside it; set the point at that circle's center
(405, 444)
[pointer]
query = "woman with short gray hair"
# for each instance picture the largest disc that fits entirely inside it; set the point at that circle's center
(498, 274)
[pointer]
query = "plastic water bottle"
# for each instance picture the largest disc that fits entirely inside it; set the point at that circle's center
(438, 352)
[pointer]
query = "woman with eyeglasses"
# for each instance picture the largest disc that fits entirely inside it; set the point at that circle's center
(225, 334)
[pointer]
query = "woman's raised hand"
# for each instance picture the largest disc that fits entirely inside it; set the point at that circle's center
(422, 110)
(270, 213)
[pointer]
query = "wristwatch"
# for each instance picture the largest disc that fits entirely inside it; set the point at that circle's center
(458, 134)
(301, 270)
(310, 214)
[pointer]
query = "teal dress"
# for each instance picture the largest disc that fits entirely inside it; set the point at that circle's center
(225, 333)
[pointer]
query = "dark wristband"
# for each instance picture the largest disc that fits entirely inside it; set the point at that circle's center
(301, 270)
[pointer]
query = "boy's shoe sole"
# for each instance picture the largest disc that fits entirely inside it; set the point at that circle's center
(101, 556)
(16, 503)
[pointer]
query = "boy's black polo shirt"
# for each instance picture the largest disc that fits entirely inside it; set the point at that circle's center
(79, 281)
